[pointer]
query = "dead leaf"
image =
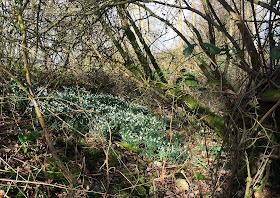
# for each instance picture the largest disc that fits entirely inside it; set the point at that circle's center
(169, 193)
(156, 163)
(257, 194)
(27, 167)
(7, 150)
(2, 193)
(182, 184)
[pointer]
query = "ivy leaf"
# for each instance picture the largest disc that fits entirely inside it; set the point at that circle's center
(34, 135)
(275, 53)
(191, 82)
(212, 49)
(188, 50)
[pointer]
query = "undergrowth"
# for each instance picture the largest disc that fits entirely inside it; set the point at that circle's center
(97, 116)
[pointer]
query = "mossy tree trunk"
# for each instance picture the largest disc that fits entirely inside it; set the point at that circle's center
(30, 93)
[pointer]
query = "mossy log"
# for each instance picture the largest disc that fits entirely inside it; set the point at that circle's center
(271, 95)
(208, 115)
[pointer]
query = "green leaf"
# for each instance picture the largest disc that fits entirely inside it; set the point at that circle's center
(34, 135)
(191, 82)
(212, 49)
(188, 50)
(275, 53)
(188, 78)
(142, 180)
(22, 141)
(30, 136)
(199, 175)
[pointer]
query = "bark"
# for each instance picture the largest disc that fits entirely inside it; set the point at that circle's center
(265, 5)
(246, 36)
(128, 63)
(133, 41)
(147, 49)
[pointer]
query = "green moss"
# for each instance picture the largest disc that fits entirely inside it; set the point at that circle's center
(92, 157)
(113, 159)
(123, 182)
(53, 171)
(260, 189)
(271, 95)
(215, 121)
(75, 171)
(128, 146)
(147, 160)
(252, 160)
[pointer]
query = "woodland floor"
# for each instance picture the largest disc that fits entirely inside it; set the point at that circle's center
(29, 171)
